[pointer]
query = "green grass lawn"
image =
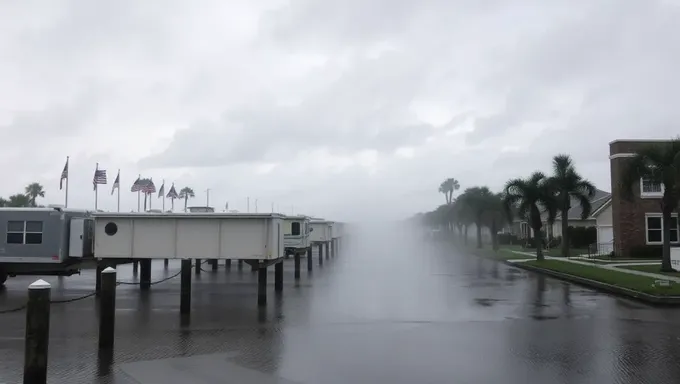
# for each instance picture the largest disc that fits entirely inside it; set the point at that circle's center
(502, 254)
(621, 279)
(555, 252)
(650, 268)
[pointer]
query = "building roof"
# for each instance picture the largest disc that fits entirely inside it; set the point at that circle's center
(601, 197)
(598, 201)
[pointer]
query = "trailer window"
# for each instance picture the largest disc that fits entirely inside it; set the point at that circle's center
(295, 228)
(15, 232)
(34, 232)
(24, 232)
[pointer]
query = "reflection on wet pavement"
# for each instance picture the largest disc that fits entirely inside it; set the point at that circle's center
(388, 310)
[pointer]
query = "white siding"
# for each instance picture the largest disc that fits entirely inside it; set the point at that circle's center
(321, 232)
(604, 218)
(210, 238)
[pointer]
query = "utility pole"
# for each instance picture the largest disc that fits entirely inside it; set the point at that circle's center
(255, 205)
(248, 202)
(207, 197)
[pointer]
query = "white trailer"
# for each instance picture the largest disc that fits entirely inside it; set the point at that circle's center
(337, 230)
(296, 234)
(243, 236)
(321, 231)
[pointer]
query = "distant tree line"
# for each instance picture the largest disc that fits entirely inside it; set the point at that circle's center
(536, 199)
(539, 198)
(27, 199)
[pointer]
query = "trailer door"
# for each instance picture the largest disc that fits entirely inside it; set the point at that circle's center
(76, 237)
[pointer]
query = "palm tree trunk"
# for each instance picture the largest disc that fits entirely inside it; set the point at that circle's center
(494, 235)
(565, 233)
(145, 196)
(479, 234)
(186, 201)
(666, 247)
(465, 235)
(538, 238)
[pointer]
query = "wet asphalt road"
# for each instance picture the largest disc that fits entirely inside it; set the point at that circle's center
(389, 311)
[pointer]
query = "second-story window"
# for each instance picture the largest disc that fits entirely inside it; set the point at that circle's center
(650, 188)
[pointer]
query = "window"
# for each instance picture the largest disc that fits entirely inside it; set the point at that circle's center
(295, 228)
(649, 188)
(524, 229)
(24, 232)
(654, 227)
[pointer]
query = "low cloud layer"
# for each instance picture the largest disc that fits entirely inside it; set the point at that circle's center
(334, 109)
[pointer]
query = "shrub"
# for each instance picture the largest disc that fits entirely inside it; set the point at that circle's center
(646, 252)
(582, 237)
(507, 239)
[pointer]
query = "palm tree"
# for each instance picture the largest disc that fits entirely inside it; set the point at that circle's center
(19, 200)
(447, 187)
(479, 201)
(658, 163)
(461, 216)
(569, 185)
(33, 191)
(186, 193)
(495, 217)
(529, 197)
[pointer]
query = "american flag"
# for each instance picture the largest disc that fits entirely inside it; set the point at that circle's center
(161, 191)
(99, 178)
(148, 186)
(116, 183)
(137, 185)
(64, 174)
(172, 193)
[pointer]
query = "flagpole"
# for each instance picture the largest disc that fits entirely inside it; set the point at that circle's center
(67, 177)
(118, 177)
(163, 195)
(150, 199)
(96, 195)
(139, 195)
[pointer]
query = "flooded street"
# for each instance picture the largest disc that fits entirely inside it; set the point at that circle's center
(388, 311)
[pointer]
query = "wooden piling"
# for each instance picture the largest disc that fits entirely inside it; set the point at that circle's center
(185, 287)
(98, 278)
(262, 286)
(107, 309)
(37, 332)
(145, 275)
(309, 259)
(297, 265)
(278, 276)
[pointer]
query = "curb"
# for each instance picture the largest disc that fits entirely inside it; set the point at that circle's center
(605, 287)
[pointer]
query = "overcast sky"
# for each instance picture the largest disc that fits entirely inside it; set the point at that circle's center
(340, 109)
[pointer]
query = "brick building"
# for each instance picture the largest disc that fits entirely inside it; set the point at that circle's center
(636, 223)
